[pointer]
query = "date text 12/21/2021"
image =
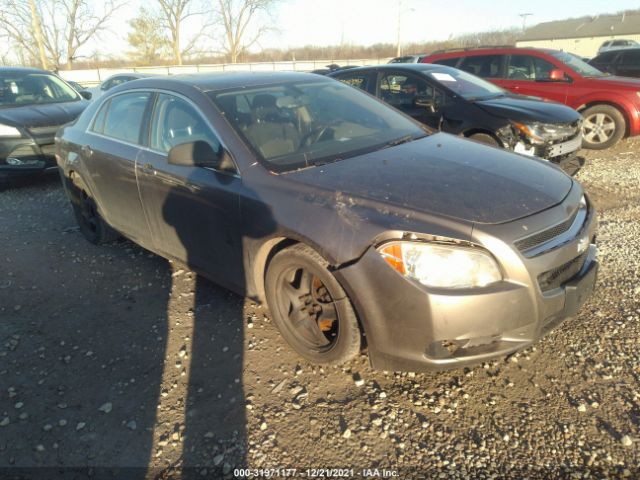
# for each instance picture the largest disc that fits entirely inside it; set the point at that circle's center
(315, 473)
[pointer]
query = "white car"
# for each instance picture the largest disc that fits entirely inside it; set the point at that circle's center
(617, 45)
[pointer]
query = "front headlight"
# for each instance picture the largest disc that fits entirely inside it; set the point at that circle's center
(540, 133)
(8, 131)
(442, 266)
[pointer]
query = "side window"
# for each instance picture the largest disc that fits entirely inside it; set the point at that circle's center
(630, 57)
(402, 91)
(486, 66)
(358, 81)
(449, 62)
(175, 121)
(101, 117)
(527, 67)
(124, 116)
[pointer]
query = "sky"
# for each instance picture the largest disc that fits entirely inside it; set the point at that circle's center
(322, 22)
(365, 22)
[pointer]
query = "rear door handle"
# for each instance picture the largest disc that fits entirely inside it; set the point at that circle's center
(86, 150)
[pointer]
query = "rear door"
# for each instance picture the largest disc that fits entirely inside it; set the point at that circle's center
(110, 156)
(193, 212)
(627, 63)
(489, 67)
(529, 75)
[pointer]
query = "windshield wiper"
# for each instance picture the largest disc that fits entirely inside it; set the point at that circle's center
(401, 140)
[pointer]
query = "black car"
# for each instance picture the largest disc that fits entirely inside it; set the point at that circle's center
(33, 105)
(458, 102)
(334, 67)
(623, 63)
(341, 213)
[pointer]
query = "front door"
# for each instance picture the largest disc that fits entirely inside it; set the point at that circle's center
(413, 96)
(193, 212)
(529, 75)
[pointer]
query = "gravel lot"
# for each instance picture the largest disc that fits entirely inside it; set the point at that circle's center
(112, 357)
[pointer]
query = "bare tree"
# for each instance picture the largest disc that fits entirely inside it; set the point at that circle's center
(84, 21)
(147, 37)
(16, 27)
(238, 18)
(50, 30)
(174, 13)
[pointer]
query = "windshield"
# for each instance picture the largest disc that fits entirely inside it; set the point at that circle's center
(33, 88)
(578, 65)
(465, 84)
(298, 125)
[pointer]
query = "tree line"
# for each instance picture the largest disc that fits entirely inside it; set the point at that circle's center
(50, 33)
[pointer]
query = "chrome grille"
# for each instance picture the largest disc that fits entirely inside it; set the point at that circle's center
(560, 275)
(545, 235)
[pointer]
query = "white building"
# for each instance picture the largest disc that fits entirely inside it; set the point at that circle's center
(583, 36)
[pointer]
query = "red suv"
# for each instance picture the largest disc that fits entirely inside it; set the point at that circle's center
(610, 105)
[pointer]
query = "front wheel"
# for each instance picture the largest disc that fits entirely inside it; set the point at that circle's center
(484, 138)
(310, 308)
(603, 127)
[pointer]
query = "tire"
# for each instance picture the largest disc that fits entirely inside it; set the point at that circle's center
(300, 290)
(92, 225)
(603, 127)
(484, 138)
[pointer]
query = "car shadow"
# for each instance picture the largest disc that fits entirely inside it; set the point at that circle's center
(213, 241)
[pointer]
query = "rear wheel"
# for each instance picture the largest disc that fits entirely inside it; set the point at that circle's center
(310, 308)
(91, 224)
(603, 127)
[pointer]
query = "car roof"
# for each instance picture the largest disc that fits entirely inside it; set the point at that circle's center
(23, 70)
(461, 52)
(414, 67)
(214, 81)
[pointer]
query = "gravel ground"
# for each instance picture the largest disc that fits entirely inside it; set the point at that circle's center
(111, 357)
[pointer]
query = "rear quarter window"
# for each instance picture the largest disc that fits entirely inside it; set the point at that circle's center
(121, 117)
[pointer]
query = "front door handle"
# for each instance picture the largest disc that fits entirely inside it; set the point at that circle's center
(147, 166)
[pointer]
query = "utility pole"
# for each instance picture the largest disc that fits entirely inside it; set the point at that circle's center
(524, 19)
(37, 31)
(399, 49)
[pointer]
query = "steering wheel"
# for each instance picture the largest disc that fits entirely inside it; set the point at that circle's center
(315, 135)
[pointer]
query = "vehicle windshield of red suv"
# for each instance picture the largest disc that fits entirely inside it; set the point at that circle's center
(578, 65)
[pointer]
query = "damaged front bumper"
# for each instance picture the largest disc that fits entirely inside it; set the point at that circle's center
(410, 327)
(26, 157)
(563, 152)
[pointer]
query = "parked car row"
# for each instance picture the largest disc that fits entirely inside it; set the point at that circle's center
(346, 216)
(457, 102)
(610, 105)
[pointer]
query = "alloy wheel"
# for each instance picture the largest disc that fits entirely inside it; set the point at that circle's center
(309, 308)
(598, 128)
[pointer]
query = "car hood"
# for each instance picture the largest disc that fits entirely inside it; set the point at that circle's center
(30, 116)
(621, 82)
(523, 109)
(445, 176)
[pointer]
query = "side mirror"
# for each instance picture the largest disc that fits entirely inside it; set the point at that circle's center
(200, 154)
(557, 76)
(86, 95)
